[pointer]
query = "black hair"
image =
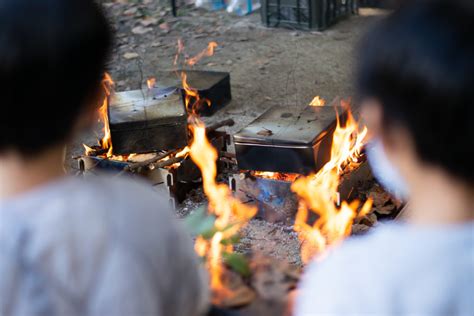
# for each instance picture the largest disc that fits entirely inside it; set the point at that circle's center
(419, 63)
(52, 59)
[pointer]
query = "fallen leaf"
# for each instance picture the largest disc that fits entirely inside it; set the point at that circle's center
(130, 12)
(385, 210)
(358, 229)
(140, 30)
(239, 293)
(273, 279)
(265, 132)
(156, 44)
(130, 55)
(165, 26)
(149, 21)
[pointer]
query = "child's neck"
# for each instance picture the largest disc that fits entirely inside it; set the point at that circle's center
(439, 198)
(19, 174)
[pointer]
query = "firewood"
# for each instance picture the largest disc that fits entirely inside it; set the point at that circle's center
(138, 165)
(168, 162)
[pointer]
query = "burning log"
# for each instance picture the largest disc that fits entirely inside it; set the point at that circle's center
(168, 162)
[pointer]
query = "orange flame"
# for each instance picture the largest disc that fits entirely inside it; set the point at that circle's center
(179, 52)
(151, 83)
(319, 194)
(106, 141)
(192, 100)
(227, 209)
(317, 101)
(209, 51)
(289, 177)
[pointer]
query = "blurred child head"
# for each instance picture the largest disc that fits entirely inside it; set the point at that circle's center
(52, 56)
(416, 76)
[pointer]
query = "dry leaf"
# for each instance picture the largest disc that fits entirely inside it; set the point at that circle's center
(165, 26)
(385, 210)
(358, 229)
(130, 12)
(140, 30)
(130, 55)
(149, 21)
(265, 132)
(273, 279)
(240, 294)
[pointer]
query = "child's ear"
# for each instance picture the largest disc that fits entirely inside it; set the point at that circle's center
(89, 114)
(371, 114)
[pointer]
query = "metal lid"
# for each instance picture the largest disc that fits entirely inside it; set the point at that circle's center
(285, 126)
(140, 109)
(196, 79)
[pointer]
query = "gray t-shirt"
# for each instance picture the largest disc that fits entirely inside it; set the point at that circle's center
(105, 246)
(396, 270)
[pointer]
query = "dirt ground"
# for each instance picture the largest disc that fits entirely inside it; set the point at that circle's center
(268, 67)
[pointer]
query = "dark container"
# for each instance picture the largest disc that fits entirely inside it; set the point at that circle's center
(287, 140)
(306, 14)
(213, 86)
(383, 4)
(146, 121)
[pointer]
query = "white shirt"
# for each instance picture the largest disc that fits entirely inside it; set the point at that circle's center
(395, 270)
(106, 246)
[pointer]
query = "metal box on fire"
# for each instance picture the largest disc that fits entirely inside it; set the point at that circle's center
(212, 86)
(287, 140)
(145, 121)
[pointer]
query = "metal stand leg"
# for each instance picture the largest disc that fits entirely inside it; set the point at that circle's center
(173, 8)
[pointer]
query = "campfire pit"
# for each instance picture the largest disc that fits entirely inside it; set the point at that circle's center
(277, 148)
(170, 171)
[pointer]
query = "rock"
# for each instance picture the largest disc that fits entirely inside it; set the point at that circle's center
(130, 55)
(229, 62)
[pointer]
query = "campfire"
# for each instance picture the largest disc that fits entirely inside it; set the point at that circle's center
(289, 166)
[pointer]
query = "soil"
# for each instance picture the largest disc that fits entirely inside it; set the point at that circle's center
(268, 66)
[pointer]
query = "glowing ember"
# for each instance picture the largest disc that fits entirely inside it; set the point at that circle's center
(151, 83)
(289, 177)
(319, 194)
(317, 101)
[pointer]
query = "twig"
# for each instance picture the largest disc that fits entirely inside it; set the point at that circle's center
(145, 163)
(168, 162)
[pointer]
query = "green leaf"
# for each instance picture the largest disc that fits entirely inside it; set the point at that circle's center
(231, 240)
(201, 223)
(237, 262)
